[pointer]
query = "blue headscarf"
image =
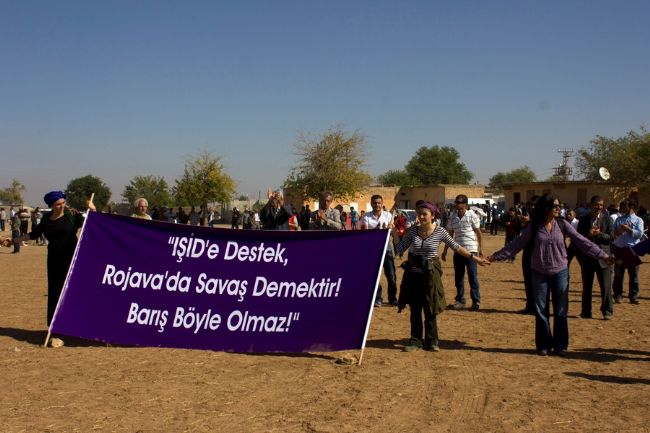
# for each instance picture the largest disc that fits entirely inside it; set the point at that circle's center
(52, 197)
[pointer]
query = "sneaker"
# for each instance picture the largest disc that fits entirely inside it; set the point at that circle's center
(542, 352)
(432, 348)
(618, 299)
(476, 306)
(607, 316)
(411, 348)
(457, 306)
(561, 352)
(413, 345)
(377, 303)
(634, 301)
(585, 316)
(393, 302)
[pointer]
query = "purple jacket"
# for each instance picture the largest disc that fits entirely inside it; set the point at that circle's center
(549, 253)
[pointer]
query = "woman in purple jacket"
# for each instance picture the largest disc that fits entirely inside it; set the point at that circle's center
(544, 236)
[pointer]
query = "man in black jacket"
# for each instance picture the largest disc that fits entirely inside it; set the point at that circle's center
(597, 227)
(273, 215)
(305, 217)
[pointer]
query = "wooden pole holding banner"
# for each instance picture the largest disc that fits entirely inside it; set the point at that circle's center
(372, 303)
(49, 333)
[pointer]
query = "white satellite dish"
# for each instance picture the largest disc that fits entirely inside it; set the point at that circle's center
(604, 173)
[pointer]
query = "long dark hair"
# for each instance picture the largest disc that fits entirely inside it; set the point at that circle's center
(543, 204)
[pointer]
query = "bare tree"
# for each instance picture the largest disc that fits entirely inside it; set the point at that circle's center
(331, 162)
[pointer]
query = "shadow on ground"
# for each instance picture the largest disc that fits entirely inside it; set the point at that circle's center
(609, 379)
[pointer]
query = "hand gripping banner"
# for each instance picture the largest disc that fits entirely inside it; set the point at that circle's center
(150, 283)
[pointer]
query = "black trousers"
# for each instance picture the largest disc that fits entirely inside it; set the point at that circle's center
(419, 305)
(528, 279)
(589, 268)
(57, 270)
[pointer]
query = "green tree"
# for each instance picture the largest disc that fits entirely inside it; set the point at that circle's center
(520, 175)
(397, 178)
(13, 194)
(79, 190)
(627, 158)
(204, 181)
(153, 188)
(438, 165)
(331, 162)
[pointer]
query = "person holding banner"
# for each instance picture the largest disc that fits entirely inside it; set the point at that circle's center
(60, 228)
(421, 286)
(381, 219)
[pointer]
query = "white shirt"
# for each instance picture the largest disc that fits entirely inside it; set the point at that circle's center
(370, 221)
(463, 228)
(384, 220)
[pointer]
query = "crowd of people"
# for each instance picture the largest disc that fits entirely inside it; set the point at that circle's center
(596, 237)
(18, 221)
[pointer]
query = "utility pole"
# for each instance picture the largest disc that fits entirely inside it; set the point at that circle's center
(563, 171)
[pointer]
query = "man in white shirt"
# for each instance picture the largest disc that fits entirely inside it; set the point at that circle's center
(613, 212)
(571, 217)
(628, 229)
(465, 227)
(381, 219)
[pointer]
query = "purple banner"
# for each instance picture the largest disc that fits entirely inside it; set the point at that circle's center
(158, 284)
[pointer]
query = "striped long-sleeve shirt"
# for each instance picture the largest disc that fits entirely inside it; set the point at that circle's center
(427, 247)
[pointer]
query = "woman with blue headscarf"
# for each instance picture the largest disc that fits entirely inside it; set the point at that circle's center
(60, 228)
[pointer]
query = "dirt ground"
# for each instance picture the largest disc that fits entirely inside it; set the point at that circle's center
(486, 378)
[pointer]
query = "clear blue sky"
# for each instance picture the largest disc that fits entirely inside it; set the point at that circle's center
(124, 88)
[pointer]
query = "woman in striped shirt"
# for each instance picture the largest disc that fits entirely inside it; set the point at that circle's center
(421, 286)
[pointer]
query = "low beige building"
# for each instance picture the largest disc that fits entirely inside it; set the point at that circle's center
(572, 193)
(395, 196)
